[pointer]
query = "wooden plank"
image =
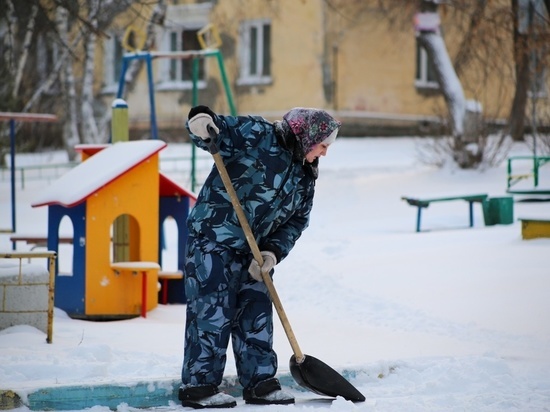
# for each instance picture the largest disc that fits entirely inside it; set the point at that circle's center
(28, 117)
(529, 191)
(532, 228)
(39, 240)
(166, 275)
(424, 202)
(18, 255)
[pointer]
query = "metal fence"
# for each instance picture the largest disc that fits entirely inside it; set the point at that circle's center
(178, 169)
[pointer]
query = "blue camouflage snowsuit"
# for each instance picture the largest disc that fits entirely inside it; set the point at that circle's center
(276, 192)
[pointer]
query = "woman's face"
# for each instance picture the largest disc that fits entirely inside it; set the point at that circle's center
(317, 151)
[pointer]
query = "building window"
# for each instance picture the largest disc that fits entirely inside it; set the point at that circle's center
(179, 34)
(533, 22)
(539, 71)
(46, 52)
(425, 75)
(181, 70)
(255, 42)
(177, 72)
(112, 63)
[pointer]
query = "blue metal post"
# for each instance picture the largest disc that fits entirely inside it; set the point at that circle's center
(154, 132)
(418, 217)
(122, 76)
(148, 60)
(12, 157)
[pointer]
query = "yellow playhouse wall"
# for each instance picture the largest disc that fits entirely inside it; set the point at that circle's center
(136, 194)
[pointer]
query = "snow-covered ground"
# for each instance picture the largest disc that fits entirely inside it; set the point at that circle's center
(451, 319)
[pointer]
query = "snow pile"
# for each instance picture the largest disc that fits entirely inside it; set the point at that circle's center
(451, 319)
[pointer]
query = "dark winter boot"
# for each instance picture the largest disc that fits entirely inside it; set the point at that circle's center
(205, 396)
(267, 392)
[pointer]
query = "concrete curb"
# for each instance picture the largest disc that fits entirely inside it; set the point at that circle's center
(142, 394)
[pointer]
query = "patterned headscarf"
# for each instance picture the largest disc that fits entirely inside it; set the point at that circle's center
(312, 126)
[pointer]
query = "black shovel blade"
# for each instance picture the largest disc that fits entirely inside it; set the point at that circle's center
(320, 378)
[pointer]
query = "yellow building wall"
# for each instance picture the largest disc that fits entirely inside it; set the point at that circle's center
(297, 47)
(372, 65)
(135, 194)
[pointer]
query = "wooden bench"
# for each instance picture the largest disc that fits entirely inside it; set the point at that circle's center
(135, 268)
(532, 228)
(422, 203)
(39, 241)
(164, 278)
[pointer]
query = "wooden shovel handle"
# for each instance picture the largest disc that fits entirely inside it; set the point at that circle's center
(254, 246)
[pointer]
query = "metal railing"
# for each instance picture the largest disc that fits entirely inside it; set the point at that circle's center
(537, 163)
(179, 168)
(46, 172)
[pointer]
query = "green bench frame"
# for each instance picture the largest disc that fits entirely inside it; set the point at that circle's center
(538, 162)
(422, 203)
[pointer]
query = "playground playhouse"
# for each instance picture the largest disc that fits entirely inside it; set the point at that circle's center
(115, 275)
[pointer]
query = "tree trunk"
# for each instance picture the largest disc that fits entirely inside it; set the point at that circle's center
(90, 133)
(516, 119)
(12, 29)
(25, 52)
(157, 18)
(465, 144)
(446, 78)
(71, 136)
(464, 52)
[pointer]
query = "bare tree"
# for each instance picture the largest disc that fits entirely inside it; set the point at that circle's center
(70, 135)
(530, 36)
(70, 30)
(90, 132)
(484, 29)
(156, 19)
(25, 51)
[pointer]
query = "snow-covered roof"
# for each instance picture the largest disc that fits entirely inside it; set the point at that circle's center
(98, 171)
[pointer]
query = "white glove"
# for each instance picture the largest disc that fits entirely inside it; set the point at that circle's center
(199, 123)
(270, 260)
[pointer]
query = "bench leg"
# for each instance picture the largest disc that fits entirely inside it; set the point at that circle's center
(144, 294)
(471, 214)
(418, 217)
(164, 291)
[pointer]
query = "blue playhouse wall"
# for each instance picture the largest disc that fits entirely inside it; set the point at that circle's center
(178, 208)
(69, 290)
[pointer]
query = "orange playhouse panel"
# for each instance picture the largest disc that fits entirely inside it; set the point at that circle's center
(134, 194)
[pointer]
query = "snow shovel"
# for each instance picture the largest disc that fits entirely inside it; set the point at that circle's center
(307, 371)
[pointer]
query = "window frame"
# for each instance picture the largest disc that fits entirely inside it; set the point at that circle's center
(262, 52)
(167, 65)
(113, 50)
(538, 82)
(422, 73)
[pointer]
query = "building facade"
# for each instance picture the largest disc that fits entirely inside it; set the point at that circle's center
(281, 54)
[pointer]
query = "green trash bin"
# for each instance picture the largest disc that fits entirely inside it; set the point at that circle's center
(500, 211)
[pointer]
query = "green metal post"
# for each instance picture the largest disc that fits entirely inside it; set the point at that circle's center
(509, 172)
(194, 102)
(536, 170)
(120, 132)
(232, 108)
